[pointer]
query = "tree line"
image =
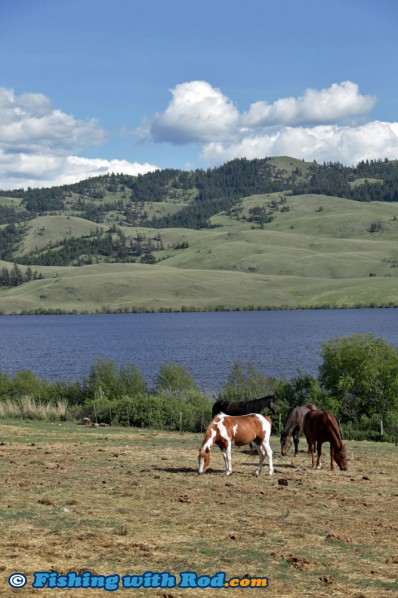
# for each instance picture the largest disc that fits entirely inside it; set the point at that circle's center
(112, 244)
(207, 192)
(15, 277)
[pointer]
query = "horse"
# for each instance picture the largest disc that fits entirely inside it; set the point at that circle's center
(293, 426)
(240, 430)
(322, 426)
(245, 407)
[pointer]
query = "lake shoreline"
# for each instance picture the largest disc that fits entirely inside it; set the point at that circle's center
(191, 309)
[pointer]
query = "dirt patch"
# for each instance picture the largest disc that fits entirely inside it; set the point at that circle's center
(126, 502)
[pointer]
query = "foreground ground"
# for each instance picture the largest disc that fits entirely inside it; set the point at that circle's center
(125, 502)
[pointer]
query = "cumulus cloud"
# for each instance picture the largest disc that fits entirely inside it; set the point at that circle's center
(197, 112)
(29, 170)
(340, 101)
(29, 123)
(348, 145)
(37, 140)
(319, 125)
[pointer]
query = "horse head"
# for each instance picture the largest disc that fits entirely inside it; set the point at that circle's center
(273, 406)
(204, 460)
(341, 458)
(286, 441)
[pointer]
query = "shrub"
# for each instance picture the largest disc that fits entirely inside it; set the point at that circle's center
(174, 377)
(246, 383)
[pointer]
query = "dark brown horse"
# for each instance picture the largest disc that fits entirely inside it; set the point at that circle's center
(293, 427)
(240, 430)
(245, 407)
(320, 427)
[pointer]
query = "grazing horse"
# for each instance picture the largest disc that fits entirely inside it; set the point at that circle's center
(240, 430)
(245, 407)
(322, 427)
(293, 427)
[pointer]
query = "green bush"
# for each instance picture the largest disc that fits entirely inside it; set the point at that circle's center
(245, 383)
(174, 377)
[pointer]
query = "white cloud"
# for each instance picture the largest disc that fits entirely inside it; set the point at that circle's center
(30, 124)
(339, 101)
(319, 125)
(33, 170)
(348, 145)
(37, 143)
(197, 113)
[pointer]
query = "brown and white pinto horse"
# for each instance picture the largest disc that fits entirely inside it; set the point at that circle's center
(240, 430)
(320, 427)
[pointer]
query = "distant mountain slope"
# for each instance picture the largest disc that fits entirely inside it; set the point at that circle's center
(203, 193)
(247, 234)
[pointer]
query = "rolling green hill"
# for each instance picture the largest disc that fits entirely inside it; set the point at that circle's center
(243, 236)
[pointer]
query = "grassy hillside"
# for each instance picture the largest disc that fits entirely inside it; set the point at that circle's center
(53, 229)
(135, 287)
(268, 250)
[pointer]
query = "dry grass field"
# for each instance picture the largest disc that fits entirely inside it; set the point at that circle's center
(124, 502)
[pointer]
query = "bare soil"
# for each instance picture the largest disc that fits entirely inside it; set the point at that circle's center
(125, 502)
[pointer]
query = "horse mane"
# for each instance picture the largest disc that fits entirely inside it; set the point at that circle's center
(335, 429)
(290, 417)
(259, 403)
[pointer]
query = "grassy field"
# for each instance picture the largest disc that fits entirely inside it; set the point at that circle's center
(131, 287)
(318, 252)
(122, 501)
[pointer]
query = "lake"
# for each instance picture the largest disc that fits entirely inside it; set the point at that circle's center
(279, 343)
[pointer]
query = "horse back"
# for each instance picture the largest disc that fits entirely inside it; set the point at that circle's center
(314, 425)
(242, 429)
(227, 407)
(317, 425)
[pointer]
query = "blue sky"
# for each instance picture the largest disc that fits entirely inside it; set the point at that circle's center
(89, 87)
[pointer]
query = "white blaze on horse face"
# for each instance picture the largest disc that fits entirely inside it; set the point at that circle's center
(206, 446)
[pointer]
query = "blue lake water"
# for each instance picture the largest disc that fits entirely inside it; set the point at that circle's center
(279, 343)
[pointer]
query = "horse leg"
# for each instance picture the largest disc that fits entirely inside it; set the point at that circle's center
(296, 435)
(261, 455)
(311, 450)
(331, 457)
(268, 450)
(224, 454)
(228, 459)
(318, 462)
(265, 449)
